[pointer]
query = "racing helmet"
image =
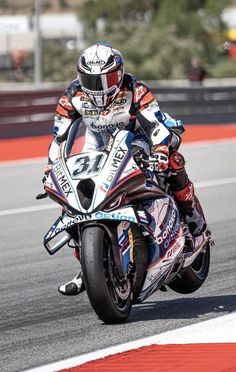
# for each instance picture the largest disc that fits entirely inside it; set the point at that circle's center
(101, 73)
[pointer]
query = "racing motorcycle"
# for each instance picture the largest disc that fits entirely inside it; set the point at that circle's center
(124, 223)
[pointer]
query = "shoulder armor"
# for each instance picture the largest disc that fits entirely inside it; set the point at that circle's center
(129, 81)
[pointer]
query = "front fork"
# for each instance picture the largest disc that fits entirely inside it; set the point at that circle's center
(122, 240)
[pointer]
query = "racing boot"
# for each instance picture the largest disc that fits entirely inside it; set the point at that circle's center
(74, 287)
(185, 197)
(195, 218)
(191, 210)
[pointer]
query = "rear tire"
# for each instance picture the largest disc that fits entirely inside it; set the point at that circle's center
(109, 296)
(193, 277)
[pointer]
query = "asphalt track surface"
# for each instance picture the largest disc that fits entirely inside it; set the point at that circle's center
(39, 326)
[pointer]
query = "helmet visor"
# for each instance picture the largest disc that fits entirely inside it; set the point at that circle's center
(99, 82)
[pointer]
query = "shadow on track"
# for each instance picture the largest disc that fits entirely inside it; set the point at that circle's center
(184, 308)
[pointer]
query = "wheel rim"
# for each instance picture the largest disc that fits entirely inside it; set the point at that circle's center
(120, 290)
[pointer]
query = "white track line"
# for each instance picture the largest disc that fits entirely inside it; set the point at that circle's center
(213, 183)
(9, 212)
(217, 330)
(44, 207)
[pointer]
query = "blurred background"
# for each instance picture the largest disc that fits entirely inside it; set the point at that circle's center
(184, 50)
(159, 39)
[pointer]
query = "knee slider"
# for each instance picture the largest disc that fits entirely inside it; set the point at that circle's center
(176, 160)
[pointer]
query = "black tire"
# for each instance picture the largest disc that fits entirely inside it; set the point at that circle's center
(141, 258)
(193, 277)
(101, 279)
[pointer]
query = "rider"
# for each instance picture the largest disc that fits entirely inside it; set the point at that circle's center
(106, 98)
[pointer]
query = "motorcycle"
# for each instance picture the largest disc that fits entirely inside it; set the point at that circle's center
(125, 224)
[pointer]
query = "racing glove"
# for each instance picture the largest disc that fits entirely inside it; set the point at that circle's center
(47, 170)
(159, 158)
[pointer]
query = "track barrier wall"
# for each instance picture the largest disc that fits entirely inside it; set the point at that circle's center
(30, 113)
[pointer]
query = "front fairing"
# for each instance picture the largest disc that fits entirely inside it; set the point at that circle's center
(58, 233)
(88, 181)
(107, 185)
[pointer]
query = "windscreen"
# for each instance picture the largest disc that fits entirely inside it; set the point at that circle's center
(83, 140)
(76, 139)
(84, 152)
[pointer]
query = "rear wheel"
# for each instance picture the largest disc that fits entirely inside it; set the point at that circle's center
(109, 295)
(192, 278)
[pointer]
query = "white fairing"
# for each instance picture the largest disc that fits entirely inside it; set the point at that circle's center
(161, 268)
(107, 169)
(98, 165)
(122, 214)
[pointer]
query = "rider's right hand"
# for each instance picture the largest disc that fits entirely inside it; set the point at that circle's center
(47, 170)
(159, 158)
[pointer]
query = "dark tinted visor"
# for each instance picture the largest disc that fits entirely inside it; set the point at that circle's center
(98, 82)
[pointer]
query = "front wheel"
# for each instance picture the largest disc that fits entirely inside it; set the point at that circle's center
(192, 278)
(109, 295)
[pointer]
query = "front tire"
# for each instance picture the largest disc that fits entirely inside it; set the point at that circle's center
(109, 295)
(193, 277)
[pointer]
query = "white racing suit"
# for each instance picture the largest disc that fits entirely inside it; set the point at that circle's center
(134, 109)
